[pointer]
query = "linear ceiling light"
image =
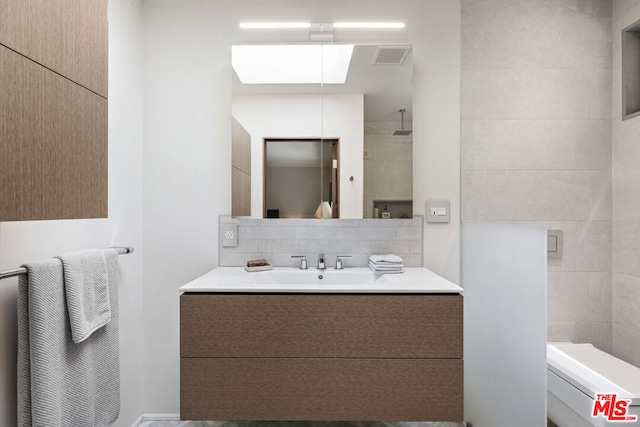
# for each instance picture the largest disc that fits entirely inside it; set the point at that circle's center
(291, 64)
(368, 25)
(274, 25)
(285, 25)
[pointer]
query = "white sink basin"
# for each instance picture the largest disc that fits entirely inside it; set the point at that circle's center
(293, 280)
(317, 277)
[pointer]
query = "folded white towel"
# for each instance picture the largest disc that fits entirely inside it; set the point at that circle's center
(388, 258)
(386, 270)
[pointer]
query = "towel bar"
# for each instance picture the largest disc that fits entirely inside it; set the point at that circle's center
(122, 250)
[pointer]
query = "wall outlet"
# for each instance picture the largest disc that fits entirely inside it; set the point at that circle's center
(229, 234)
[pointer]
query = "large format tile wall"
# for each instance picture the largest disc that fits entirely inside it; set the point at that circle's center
(278, 239)
(626, 204)
(388, 164)
(536, 142)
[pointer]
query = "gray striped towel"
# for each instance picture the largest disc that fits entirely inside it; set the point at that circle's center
(62, 383)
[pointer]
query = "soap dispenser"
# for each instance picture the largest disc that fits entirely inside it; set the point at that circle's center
(385, 213)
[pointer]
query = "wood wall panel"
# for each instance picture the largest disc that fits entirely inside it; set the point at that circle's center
(53, 155)
(68, 36)
(369, 326)
(321, 389)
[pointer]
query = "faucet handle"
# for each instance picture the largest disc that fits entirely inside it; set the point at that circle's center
(303, 261)
(339, 265)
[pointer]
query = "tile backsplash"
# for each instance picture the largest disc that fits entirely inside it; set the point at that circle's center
(278, 239)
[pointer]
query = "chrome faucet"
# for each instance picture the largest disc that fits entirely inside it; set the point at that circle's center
(303, 261)
(321, 263)
(339, 265)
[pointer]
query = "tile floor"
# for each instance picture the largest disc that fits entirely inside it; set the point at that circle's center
(292, 424)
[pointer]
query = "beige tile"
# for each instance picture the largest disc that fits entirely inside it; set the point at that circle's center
(625, 13)
(593, 247)
(534, 31)
(409, 233)
(567, 297)
(535, 144)
(626, 150)
(598, 334)
(616, 92)
(474, 192)
(601, 92)
(626, 343)
(626, 194)
(561, 331)
(626, 248)
(545, 195)
(531, 94)
(626, 301)
(600, 290)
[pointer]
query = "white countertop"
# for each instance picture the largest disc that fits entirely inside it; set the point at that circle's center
(350, 280)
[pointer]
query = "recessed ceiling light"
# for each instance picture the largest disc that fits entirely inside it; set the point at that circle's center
(274, 25)
(291, 64)
(368, 25)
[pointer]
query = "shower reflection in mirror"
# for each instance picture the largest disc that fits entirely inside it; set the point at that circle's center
(363, 118)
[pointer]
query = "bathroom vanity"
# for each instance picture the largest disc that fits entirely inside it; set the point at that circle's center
(352, 345)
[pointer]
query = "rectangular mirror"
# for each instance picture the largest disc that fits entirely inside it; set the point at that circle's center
(365, 117)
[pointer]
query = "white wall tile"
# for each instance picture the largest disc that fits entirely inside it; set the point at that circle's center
(277, 240)
(626, 248)
(600, 291)
(626, 301)
(601, 90)
(537, 195)
(626, 194)
(593, 247)
(596, 333)
(561, 331)
(626, 343)
(530, 94)
(568, 297)
(474, 192)
(531, 40)
(536, 144)
(626, 150)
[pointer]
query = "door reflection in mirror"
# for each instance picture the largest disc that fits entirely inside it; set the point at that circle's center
(294, 171)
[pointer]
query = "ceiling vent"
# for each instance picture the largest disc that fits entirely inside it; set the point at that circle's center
(390, 55)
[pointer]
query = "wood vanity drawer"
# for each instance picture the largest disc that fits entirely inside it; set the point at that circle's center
(369, 326)
(321, 389)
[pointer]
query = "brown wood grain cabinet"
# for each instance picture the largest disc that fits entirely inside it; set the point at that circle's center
(53, 109)
(322, 357)
(69, 37)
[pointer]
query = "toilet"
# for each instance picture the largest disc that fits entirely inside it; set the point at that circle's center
(576, 374)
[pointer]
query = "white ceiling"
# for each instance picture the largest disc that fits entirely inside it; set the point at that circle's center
(386, 88)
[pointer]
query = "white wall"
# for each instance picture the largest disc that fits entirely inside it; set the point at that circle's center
(299, 116)
(22, 242)
(187, 124)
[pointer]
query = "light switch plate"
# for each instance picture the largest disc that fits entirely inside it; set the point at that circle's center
(554, 244)
(438, 211)
(229, 234)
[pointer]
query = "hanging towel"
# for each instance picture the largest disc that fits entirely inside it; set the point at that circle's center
(61, 383)
(87, 291)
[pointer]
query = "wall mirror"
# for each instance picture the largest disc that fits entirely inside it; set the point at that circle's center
(324, 144)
